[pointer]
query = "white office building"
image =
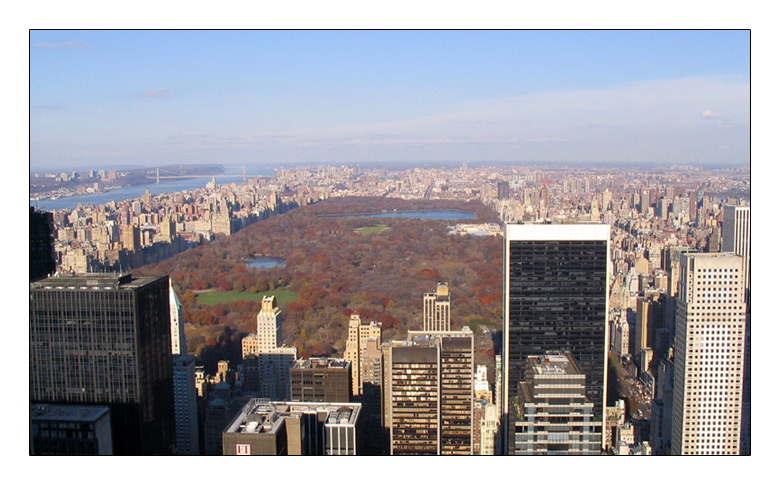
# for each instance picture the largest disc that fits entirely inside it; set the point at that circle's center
(708, 355)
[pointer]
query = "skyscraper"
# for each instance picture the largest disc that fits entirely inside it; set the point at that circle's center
(42, 260)
(436, 309)
(429, 393)
(556, 295)
(708, 356)
(186, 407)
(105, 339)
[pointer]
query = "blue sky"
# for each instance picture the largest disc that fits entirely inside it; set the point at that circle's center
(269, 97)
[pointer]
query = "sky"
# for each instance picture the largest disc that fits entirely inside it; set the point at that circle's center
(119, 97)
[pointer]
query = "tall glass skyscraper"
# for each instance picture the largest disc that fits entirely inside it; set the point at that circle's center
(555, 299)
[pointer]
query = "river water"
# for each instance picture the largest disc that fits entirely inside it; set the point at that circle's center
(165, 187)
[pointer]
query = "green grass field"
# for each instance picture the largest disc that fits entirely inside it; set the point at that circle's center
(283, 297)
(372, 229)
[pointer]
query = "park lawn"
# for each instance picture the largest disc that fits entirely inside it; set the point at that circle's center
(372, 229)
(283, 297)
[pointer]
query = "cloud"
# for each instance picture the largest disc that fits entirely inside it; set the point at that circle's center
(154, 93)
(709, 115)
(65, 44)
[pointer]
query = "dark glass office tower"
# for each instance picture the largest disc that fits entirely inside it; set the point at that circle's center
(104, 339)
(555, 299)
(42, 260)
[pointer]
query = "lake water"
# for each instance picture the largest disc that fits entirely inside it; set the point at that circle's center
(264, 262)
(448, 215)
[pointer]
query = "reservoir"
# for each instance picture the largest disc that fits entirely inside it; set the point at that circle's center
(265, 262)
(448, 215)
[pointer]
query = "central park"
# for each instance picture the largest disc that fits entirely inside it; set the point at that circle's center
(338, 259)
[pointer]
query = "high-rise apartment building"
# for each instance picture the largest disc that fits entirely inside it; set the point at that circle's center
(267, 366)
(186, 406)
(436, 309)
(131, 237)
(178, 338)
(555, 299)
(429, 388)
(105, 339)
(708, 355)
(269, 329)
(360, 336)
(553, 415)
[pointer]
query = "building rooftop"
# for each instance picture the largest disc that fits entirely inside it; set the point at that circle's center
(94, 281)
(52, 412)
(263, 416)
(423, 337)
(553, 363)
(321, 363)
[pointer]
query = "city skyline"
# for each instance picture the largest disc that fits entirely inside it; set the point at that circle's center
(276, 97)
(449, 110)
